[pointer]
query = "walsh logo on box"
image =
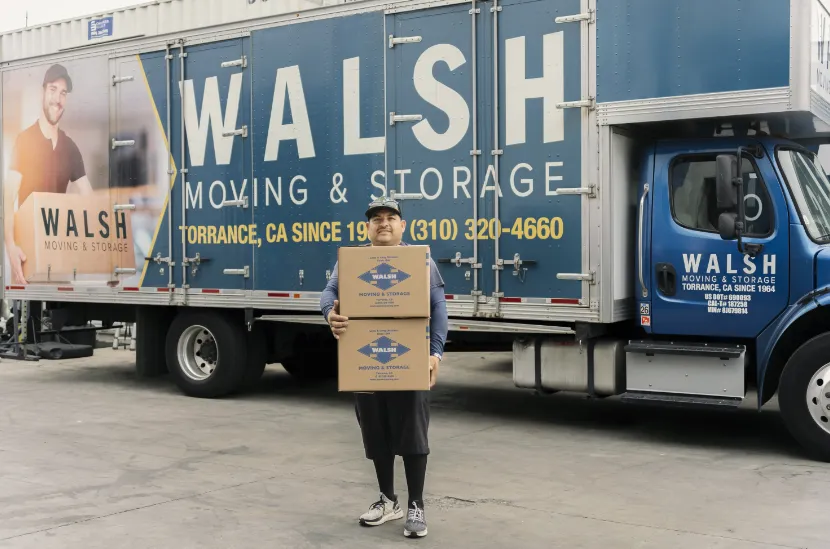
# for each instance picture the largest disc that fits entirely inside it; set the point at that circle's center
(383, 350)
(384, 276)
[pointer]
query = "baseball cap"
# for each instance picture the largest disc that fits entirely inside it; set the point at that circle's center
(56, 72)
(383, 203)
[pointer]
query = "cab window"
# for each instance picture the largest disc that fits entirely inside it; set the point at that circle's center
(694, 200)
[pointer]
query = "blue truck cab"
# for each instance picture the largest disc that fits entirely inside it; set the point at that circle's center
(734, 265)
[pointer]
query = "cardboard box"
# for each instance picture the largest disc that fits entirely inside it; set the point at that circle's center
(67, 236)
(384, 281)
(384, 355)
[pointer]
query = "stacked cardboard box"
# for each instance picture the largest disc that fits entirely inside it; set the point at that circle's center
(384, 291)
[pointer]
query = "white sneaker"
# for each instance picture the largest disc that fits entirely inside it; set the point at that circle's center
(381, 511)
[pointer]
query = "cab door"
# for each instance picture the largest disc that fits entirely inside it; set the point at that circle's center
(701, 284)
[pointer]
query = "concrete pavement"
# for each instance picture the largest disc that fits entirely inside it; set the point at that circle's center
(91, 457)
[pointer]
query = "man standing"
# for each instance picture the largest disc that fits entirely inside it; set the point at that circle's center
(395, 423)
(44, 159)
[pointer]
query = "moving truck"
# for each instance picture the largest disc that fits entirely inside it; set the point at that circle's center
(626, 193)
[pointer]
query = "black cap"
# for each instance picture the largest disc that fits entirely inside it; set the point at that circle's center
(56, 72)
(383, 203)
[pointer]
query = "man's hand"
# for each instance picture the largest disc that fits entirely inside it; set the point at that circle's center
(337, 322)
(16, 258)
(433, 370)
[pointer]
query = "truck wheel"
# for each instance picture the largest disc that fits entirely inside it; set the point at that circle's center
(804, 396)
(206, 354)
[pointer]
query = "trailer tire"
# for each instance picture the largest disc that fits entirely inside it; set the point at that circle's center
(207, 354)
(805, 382)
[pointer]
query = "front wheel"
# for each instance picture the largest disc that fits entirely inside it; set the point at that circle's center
(206, 354)
(804, 396)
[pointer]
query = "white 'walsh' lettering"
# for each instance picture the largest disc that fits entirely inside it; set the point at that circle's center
(352, 142)
(442, 97)
(384, 349)
(692, 263)
(288, 84)
(549, 87)
(196, 124)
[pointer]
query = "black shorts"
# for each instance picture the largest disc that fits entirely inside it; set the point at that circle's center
(393, 422)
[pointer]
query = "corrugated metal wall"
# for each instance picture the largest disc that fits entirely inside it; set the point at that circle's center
(148, 19)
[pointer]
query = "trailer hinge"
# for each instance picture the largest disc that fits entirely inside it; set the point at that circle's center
(590, 17)
(590, 190)
(246, 272)
(586, 277)
(403, 40)
(243, 131)
(393, 118)
(236, 63)
(119, 207)
(120, 79)
(585, 103)
(123, 270)
(458, 261)
(239, 203)
(126, 143)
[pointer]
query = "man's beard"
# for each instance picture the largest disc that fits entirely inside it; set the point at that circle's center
(52, 121)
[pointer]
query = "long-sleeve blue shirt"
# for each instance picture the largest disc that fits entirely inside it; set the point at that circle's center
(438, 324)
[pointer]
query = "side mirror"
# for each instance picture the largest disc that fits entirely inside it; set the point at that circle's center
(726, 170)
(728, 225)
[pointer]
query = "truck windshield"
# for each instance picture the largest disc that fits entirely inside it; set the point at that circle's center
(811, 189)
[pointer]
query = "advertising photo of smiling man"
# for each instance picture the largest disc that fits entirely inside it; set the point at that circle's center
(45, 159)
(395, 423)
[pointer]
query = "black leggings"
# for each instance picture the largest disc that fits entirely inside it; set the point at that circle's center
(415, 467)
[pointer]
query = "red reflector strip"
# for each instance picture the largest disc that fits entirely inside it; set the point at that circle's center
(209, 291)
(162, 289)
(449, 296)
(15, 287)
(130, 289)
(510, 299)
(563, 301)
(66, 289)
(463, 328)
(278, 294)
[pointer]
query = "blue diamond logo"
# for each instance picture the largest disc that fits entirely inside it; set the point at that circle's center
(384, 276)
(383, 350)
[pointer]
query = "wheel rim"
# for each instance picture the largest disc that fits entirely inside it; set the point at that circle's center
(818, 397)
(198, 353)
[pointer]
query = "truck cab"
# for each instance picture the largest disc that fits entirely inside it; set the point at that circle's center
(733, 279)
